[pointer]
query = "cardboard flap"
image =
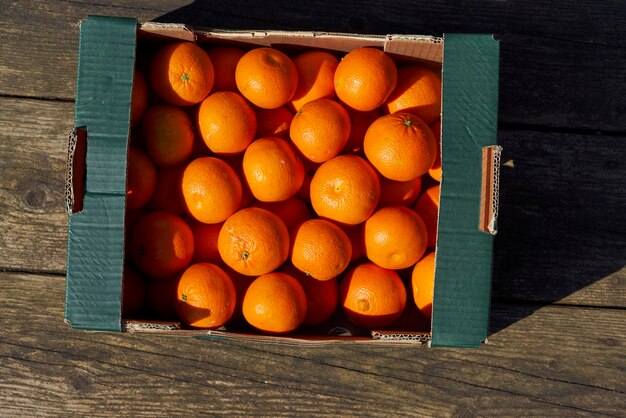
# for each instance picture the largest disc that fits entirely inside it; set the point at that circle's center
(464, 252)
(96, 235)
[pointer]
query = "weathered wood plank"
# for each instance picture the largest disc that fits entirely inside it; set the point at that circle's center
(562, 223)
(560, 240)
(560, 66)
(556, 361)
(33, 151)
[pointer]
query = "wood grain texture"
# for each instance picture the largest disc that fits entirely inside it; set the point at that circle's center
(562, 223)
(33, 152)
(560, 66)
(558, 361)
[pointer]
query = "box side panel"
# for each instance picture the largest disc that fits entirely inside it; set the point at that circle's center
(96, 235)
(464, 252)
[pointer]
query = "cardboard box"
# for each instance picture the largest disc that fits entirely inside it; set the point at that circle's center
(469, 189)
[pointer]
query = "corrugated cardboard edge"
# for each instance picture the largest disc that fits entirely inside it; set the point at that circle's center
(490, 190)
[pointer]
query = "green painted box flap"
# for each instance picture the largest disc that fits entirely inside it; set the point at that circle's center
(96, 234)
(464, 252)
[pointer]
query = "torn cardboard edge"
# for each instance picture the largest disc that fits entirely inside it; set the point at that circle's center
(336, 335)
(490, 189)
(75, 170)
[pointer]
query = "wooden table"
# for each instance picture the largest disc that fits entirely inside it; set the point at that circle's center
(558, 338)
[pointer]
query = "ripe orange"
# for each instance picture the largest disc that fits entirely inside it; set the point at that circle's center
(266, 77)
(401, 146)
(133, 292)
(275, 303)
(161, 244)
(205, 242)
(364, 78)
(226, 123)
(435, 170)
(205, 296)
(272, 169)
(182, 74)
(371, 296)
(322, 296)
(399, 193)
(273, 122)
(428, 208)
(320, 129)
(360, 121)
(211, 190)
(141, 180)
(225, 59)
(168, 131)
(355, 234)
(168, 195)
(161, 298)
(253, 241)
(345, 189)
(316, 71)
(320, 249)
(423, 282)
(292, 211)
(139, 98)
(418, 92)
(395, 237)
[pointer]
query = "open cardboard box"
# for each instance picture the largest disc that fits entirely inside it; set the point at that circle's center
(469, 189)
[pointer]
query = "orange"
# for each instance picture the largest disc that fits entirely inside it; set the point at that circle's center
(169, 135)
(275, 303)
(423, 282)
(401, 146)
(418, 92)
(355, 234)
(141, 180)
(139, 98)
(133, 292)
(435, 170)
(225, 59)
(316, 71)
(292, 211)
(322, 296)
(309, 171)
(253, 241)
(182, 74)
(168, 195)
(205, 297)
(273, 122)
(131, 216)
(345, 189)
(320, 129)
(241, 283)
(320, 249)
(272, 169)
(266, 77)
(205, 242)
(364, 78)
(226, 123)
(428, 208)
(161, 298)
(211, 190)
(395, 237)
(161, 244)
(359, 121)
(399, 193)
(371, 296)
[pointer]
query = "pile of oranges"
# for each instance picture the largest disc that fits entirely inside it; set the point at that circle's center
(281, 190)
